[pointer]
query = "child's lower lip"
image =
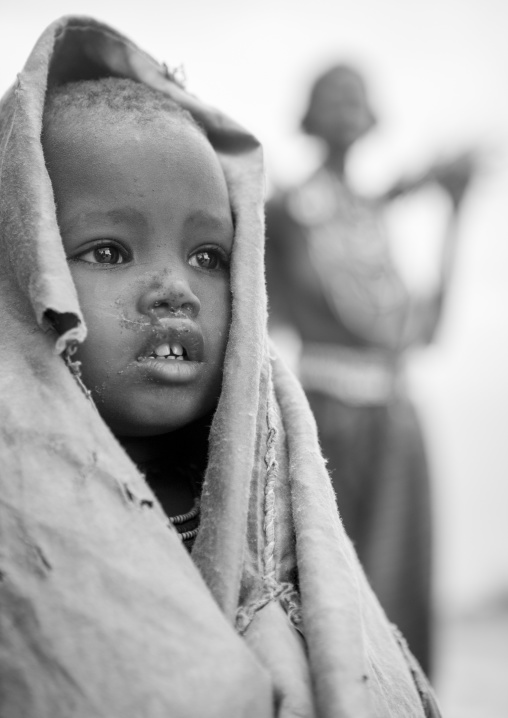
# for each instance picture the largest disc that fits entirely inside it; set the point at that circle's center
(169, 371)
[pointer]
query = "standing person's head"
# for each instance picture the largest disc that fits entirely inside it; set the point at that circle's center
(145, 218)
(338, 111)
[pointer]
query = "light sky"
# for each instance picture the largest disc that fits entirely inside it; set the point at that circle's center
(438, 77)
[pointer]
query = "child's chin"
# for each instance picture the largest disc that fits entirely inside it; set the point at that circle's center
(145, 423)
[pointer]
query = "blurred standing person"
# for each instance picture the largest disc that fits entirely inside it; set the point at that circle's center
(331, 276)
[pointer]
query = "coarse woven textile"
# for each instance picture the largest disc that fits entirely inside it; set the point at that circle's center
(103, 612)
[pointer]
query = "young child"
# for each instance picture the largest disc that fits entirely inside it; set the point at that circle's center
(143, 210)
(131, 209)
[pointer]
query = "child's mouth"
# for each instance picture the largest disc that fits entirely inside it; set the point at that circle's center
(174, 341)
(175, 354)
(174, 351)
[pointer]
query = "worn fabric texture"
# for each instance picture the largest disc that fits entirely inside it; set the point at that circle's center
(103, 611)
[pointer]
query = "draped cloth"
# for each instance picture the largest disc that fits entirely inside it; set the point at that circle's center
(103, 611)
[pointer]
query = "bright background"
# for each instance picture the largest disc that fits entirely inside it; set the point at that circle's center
(438, 77)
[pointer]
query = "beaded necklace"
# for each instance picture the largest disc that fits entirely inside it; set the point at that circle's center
(179, 457)
(177, 521)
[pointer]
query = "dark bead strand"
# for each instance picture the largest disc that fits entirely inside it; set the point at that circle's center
(193, 514)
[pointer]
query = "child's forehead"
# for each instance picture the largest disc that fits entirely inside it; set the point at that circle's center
(113, 101)
(99, 159)
(89, 131)
(73, 118)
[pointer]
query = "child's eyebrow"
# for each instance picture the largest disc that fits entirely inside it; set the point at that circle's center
(122, 215)
(202, 218)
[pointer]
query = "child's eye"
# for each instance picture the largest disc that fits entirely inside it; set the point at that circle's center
(211, 259)
(104, 254)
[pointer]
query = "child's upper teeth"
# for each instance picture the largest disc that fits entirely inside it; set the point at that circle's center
(162, 350)
(175, 350)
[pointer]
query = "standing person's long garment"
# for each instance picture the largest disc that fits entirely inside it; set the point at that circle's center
(103, 611)
(331, 276)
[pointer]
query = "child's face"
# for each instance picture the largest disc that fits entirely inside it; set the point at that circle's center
(146, 223)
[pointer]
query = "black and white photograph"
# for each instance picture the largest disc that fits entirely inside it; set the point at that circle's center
(253, 351)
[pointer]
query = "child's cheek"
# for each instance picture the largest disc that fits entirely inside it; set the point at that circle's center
(104, 345)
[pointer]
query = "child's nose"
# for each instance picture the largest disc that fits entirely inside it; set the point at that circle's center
(170, 296)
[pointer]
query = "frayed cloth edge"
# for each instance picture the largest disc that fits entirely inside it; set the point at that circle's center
(285, 592)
